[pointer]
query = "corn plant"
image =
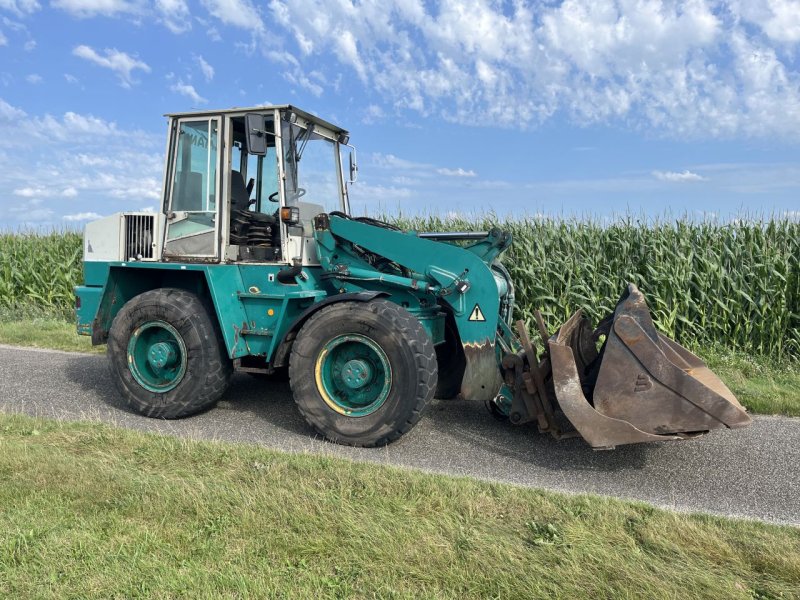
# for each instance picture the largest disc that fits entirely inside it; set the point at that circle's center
(735, 284)
(40, 270)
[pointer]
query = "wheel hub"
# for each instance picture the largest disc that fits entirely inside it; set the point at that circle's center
(356, 373)
(353, 375)
(157, 356)
(162, 355)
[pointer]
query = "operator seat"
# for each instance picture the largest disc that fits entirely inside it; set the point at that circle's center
(240, 197)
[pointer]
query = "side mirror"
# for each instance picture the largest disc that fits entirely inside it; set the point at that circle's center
(256, 126)
(353, 166)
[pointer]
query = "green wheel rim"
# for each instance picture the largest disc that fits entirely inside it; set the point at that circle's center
(353, 375)
(157, 356)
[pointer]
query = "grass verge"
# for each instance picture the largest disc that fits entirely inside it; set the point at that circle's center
(93, 511)
(45, 332)
(763, 385)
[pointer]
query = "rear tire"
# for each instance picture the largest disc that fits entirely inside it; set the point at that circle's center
(166, 354)
(363, 372)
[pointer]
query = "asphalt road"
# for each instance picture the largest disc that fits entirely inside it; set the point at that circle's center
(752, 472)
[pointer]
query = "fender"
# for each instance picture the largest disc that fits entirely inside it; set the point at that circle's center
(284, 347)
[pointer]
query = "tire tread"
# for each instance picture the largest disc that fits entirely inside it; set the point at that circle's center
(407, 327)
(218, 368)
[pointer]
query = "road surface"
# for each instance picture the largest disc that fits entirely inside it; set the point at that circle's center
(752, 472)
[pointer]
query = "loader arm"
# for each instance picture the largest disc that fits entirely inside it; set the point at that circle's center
(437, 272)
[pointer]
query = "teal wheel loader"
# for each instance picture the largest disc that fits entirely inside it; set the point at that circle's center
(254, 263)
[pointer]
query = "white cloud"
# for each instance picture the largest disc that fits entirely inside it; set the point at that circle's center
(409, 173)
(83, 216)
(372, 114)
(91, 8)
(91, 164)
(29, 192)
(365, 191)
(73, 126)
(45, 192)
(88, 159)
(238, 13)
(187, 90)
(311, 82)
(459, 172)
(10, 113)
(779, 19)
(34, 78)
(682, 68)
(35, 216)
(394, 162)
(121, 63)
(678, 176)
(207, 69)
(175, 15)
(29, 46)
(20, 7)
(70, 78)
(282, 57)
(3, 39)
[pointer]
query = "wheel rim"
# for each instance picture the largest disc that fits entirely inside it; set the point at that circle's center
(157, 356)
(353, 375)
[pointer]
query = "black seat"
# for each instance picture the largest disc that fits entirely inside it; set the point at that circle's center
(240, 198)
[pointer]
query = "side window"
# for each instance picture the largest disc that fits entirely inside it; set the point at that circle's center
(264, 169)
(191, 224)
(312, 168)
(195, 183)
(254, 226)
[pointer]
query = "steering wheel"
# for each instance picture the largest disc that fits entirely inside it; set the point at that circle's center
(298, 193)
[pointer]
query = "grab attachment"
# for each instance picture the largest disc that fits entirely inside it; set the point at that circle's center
(640, 387)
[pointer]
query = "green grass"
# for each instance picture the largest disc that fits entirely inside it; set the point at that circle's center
(91, 511)
(46, 332)
(763, 385)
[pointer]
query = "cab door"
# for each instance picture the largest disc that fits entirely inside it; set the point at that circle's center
(194, 190)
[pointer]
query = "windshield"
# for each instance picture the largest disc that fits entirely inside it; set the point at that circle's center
(312, 168)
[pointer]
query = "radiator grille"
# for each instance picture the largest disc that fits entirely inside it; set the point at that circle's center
(139, 237)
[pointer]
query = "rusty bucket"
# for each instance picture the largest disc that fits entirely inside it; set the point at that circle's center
(641, 386)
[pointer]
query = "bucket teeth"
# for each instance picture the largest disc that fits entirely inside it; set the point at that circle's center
(641, 386)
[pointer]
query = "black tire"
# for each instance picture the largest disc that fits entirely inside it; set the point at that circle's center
(451, 361)
(208, 368)
(411, 357)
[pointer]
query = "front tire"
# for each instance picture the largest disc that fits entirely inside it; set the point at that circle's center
(362, 373)
(166, 354)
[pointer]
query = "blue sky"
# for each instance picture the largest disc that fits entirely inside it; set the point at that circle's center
(564, 108)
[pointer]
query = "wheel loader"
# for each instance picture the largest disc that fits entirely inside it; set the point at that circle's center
(254, 263)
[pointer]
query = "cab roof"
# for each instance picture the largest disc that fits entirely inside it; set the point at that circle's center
(243, 110)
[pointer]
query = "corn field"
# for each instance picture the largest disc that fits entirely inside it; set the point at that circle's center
(707, 283)
(736, 285)
(38, 271)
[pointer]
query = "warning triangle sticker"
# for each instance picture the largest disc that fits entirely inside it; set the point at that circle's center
(476, 314)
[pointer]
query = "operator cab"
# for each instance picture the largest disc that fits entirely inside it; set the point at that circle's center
(243, 185)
